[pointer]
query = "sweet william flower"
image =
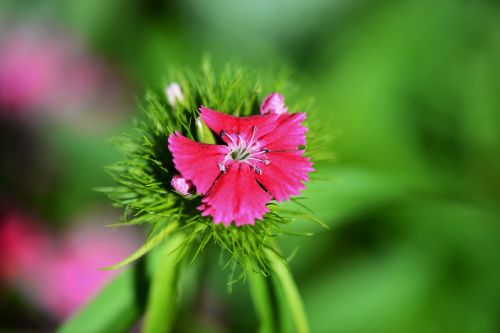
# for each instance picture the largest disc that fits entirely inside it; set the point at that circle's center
(259, 161)
(237, 165)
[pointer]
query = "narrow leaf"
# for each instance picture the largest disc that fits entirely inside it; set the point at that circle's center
(150, 244)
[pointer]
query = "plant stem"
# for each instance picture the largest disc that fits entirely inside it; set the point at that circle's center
(260, 292)
(290, 291)
(160, 308)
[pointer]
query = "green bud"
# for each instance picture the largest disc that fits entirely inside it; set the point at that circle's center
(204, 133)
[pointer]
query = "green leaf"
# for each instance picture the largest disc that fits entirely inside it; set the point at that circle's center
(148, 246)
(114, 310)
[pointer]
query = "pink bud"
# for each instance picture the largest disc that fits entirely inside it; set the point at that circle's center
(174, 94)
(181, 185)
(273, 103)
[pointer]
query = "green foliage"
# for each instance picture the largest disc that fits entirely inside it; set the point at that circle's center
(144, 174)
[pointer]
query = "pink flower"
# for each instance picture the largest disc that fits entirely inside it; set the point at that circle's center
(260, 161)
(174, 94)
(273, 103)
(27, 71)
(48, 71)
(181, 185)
(72, 276)
(58, 275)
(23, 245)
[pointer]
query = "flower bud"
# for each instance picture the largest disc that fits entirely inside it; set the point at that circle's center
(273, 103)
(174, 94)
(203, 132)
(181, 185)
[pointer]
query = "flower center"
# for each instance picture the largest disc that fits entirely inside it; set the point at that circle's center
(241, 151)
(239, 154)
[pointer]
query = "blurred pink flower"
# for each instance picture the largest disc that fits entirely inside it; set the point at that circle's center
(59, 275)
(23, 245)
(51, 71)
(27, 72)
(73, 277)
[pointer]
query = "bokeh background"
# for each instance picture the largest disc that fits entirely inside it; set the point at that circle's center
(409, 90)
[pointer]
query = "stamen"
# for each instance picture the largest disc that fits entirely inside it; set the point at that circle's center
(230, 137)
(241, 142)
(243, 152)
(259, 152)
(266, 162)
(254, 130)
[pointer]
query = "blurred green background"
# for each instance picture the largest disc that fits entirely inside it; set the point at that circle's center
(410, 91)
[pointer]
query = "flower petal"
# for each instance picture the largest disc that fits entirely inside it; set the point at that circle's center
(236, 196)
(285, 173)
(198, 162)
(288, 134)
(219, 121)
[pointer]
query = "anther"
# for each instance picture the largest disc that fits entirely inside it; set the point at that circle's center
(258, 170)
(265, 150)
(222, 167)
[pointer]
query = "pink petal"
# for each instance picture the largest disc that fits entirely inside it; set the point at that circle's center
(219, 121)
(285, 173)
(236, 196)
(288, 134)
(198, 162)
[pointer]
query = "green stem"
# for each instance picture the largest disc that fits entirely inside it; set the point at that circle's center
(290, 291)
(160, 308)
(260, 292)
